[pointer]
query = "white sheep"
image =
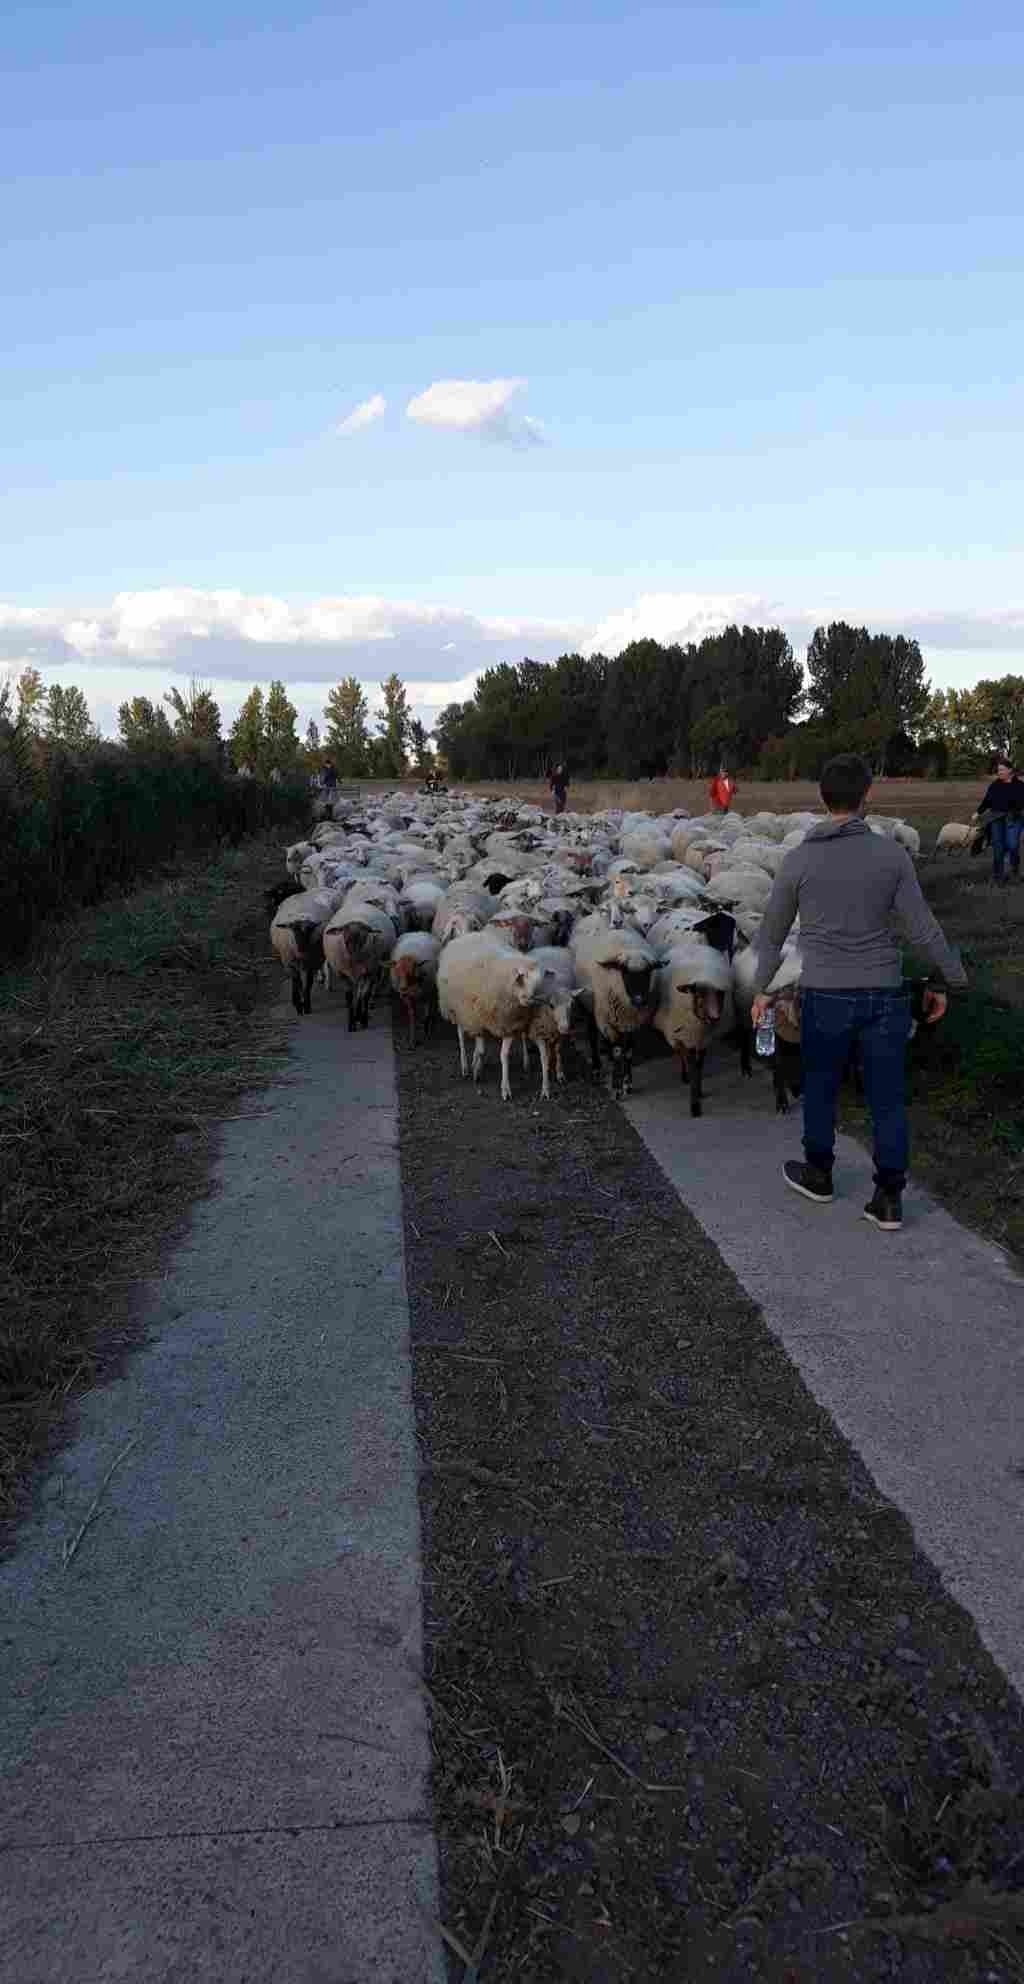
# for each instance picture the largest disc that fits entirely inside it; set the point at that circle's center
(296, 937)
(484, 987)
(953, 837)
(615, 970)
(463, 911)
(413, 973)
(550, 1019)
(419, 903)
(357, 943)
(784, 992)
(692, 988)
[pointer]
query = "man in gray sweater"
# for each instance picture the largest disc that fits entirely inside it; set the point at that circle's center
(849, 887)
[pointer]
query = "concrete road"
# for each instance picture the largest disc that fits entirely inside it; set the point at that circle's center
(914, 1341)
(213, 1745)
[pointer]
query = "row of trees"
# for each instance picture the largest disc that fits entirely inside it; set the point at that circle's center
(263, 738)
(740, 696)
(656, 708)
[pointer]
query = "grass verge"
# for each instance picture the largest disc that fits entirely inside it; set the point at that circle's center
(122, 1044)
(965, 1084)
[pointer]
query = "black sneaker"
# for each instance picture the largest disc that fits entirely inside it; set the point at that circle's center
(806, 1178)
(885, 1210)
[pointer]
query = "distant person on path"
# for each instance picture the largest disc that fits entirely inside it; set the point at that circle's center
(329, 779)
(1004, 803)
(559, 783)
(847, 885)
(721, 791)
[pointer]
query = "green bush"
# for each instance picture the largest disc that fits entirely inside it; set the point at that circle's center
(75, 827)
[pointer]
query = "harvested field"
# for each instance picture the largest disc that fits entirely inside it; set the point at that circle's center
(122, 1046)
(700, 1708)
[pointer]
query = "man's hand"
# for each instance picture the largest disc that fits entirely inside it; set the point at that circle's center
(934, 1007)
(760, 1008)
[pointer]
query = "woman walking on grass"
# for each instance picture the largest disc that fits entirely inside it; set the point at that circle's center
(1004, 803)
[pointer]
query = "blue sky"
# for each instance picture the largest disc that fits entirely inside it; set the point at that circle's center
(756, 268)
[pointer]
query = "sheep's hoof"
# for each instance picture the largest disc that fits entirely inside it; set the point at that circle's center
(696, 1109)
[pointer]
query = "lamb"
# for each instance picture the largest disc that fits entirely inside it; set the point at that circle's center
(692, 988)
(551, 1019)
(485, 987)
(296, 936)
(357, 943)
(953, 836)
(414, 979)
(615, 972)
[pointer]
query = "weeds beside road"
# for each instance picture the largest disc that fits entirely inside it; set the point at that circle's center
(121, 1047)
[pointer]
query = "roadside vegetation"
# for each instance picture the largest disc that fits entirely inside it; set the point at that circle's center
(124, 1039)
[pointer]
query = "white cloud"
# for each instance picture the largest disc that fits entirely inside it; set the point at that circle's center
(476, 406)
(688, 616)
(245, 637)
(362, 415)
(142, 642)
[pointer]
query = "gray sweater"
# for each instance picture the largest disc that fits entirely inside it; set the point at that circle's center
(850, 887)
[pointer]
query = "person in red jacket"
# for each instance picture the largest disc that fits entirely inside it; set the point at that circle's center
(721, 791)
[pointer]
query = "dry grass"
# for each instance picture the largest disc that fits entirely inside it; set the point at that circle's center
(120, 1049)
(935, 802)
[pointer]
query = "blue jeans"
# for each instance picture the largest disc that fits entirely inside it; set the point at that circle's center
(1005, 841)
(879, 1023)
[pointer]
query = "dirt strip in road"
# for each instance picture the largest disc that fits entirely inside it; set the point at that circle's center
(700, 1705)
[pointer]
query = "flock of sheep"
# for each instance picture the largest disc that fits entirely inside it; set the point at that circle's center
(503, 919)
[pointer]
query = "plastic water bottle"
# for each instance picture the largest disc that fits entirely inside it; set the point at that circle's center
(764, 1039)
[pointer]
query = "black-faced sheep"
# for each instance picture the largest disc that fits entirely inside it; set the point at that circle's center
(615, 971)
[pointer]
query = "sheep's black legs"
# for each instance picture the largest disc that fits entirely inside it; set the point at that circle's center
(595, 1045)
(696, 1084)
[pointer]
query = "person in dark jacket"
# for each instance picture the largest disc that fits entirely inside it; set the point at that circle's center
(848, 885)
(559, 782)
(1004, 804)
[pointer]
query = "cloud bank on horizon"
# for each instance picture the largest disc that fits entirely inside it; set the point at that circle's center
(232, 638)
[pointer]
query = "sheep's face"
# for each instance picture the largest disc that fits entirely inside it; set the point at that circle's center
(405, 975)
(636, 984)
(707, 1003)
(563, 1009)
(527, 984)
(518, 931)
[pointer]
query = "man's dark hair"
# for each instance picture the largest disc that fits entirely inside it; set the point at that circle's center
(844, 783)
(1004, 761)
